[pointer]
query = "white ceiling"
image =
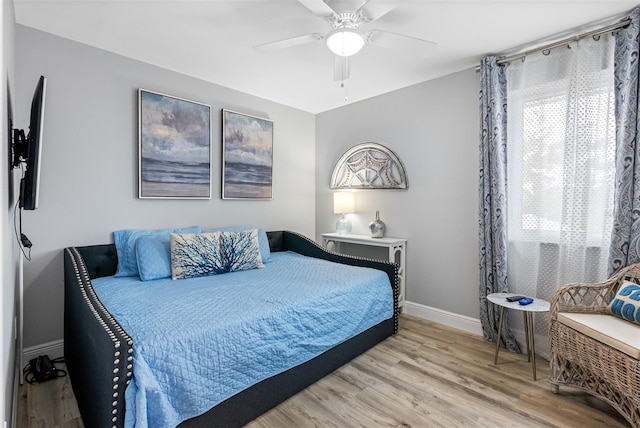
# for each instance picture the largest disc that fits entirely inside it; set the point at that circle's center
(213, 39)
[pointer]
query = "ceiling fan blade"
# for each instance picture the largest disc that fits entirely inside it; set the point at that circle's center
(290, 42)
(389, 40)
(341, 68)
(339, 6)
(318, 7)
(375, 10)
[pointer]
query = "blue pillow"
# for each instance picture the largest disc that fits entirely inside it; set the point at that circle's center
(263, 241)
(125, 241)
(153, 253)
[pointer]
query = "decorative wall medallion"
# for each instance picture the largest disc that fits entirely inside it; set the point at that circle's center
(369, 166)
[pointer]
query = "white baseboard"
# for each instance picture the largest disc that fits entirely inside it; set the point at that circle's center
(461, 322)
(53, 349)
(471, 325)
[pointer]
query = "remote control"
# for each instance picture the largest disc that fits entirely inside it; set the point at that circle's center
(515, 298)
(525, 301)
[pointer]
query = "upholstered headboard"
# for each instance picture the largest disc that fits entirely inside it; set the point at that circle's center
(102, 260)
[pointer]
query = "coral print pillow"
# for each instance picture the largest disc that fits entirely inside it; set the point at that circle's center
(194, 255)
(626, 303)
(203, 254)
(241, 250)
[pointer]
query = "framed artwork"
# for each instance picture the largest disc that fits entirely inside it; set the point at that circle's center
(174, 147)
(247, 156)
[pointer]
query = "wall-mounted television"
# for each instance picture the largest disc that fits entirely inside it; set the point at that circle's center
(28, 149)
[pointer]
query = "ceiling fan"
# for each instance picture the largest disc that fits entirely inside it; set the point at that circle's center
(346, 36)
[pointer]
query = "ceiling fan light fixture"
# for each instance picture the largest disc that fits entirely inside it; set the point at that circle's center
(344, 41)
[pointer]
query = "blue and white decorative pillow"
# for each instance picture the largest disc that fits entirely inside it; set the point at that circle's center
(240, 250)
(194, 255)
(626, 303)
(263, 241)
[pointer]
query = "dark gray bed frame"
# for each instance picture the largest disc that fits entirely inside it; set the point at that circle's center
(98, 352)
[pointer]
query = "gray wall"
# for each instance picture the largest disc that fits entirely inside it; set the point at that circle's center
(8, 250)
(89, 162)
(433, 128)
(89, 170)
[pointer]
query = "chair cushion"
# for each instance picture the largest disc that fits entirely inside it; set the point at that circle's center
(613, 331)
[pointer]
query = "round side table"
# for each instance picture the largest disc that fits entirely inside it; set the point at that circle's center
(538, 305)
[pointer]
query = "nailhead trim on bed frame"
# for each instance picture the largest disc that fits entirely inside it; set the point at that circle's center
(87, 290)
(395, 286)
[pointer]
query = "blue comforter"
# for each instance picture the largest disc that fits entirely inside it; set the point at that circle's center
(199, 341)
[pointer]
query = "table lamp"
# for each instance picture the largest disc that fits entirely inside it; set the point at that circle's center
(343, 203)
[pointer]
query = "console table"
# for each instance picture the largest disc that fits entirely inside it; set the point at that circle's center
(397, 248)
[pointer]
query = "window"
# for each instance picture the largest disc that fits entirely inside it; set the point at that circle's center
(554, 168)
(561, 148)
(560, 168)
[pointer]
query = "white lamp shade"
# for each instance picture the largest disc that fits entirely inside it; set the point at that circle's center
(344, 41)
(343, 202)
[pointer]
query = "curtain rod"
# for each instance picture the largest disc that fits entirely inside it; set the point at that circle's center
(563, 42)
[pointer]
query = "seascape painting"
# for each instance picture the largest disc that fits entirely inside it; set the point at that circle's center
(247, 156)
(174, 147)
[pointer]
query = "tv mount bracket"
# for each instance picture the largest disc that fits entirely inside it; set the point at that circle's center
(19, 147)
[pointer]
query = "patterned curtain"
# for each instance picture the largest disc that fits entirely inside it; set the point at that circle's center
(492, 197)
(625, 237)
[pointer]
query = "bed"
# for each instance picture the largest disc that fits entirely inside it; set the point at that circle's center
(99, 349)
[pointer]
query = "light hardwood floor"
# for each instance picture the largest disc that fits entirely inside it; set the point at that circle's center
(428, 375)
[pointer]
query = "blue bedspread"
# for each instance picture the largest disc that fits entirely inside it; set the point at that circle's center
(199, 341)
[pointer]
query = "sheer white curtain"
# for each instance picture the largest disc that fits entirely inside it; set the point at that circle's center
(560, 168)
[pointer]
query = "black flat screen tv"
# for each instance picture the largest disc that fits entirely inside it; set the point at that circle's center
(29, 149)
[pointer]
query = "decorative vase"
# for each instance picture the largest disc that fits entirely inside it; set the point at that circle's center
(377, 227)
(343, 226)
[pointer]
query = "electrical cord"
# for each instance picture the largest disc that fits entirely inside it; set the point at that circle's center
(42, 369)
(24, 242)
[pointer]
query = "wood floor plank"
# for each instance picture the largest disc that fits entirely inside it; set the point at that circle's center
(479, 398)
(408, 399)
(428, 375)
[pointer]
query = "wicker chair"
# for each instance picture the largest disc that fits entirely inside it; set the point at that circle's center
(589, 359)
